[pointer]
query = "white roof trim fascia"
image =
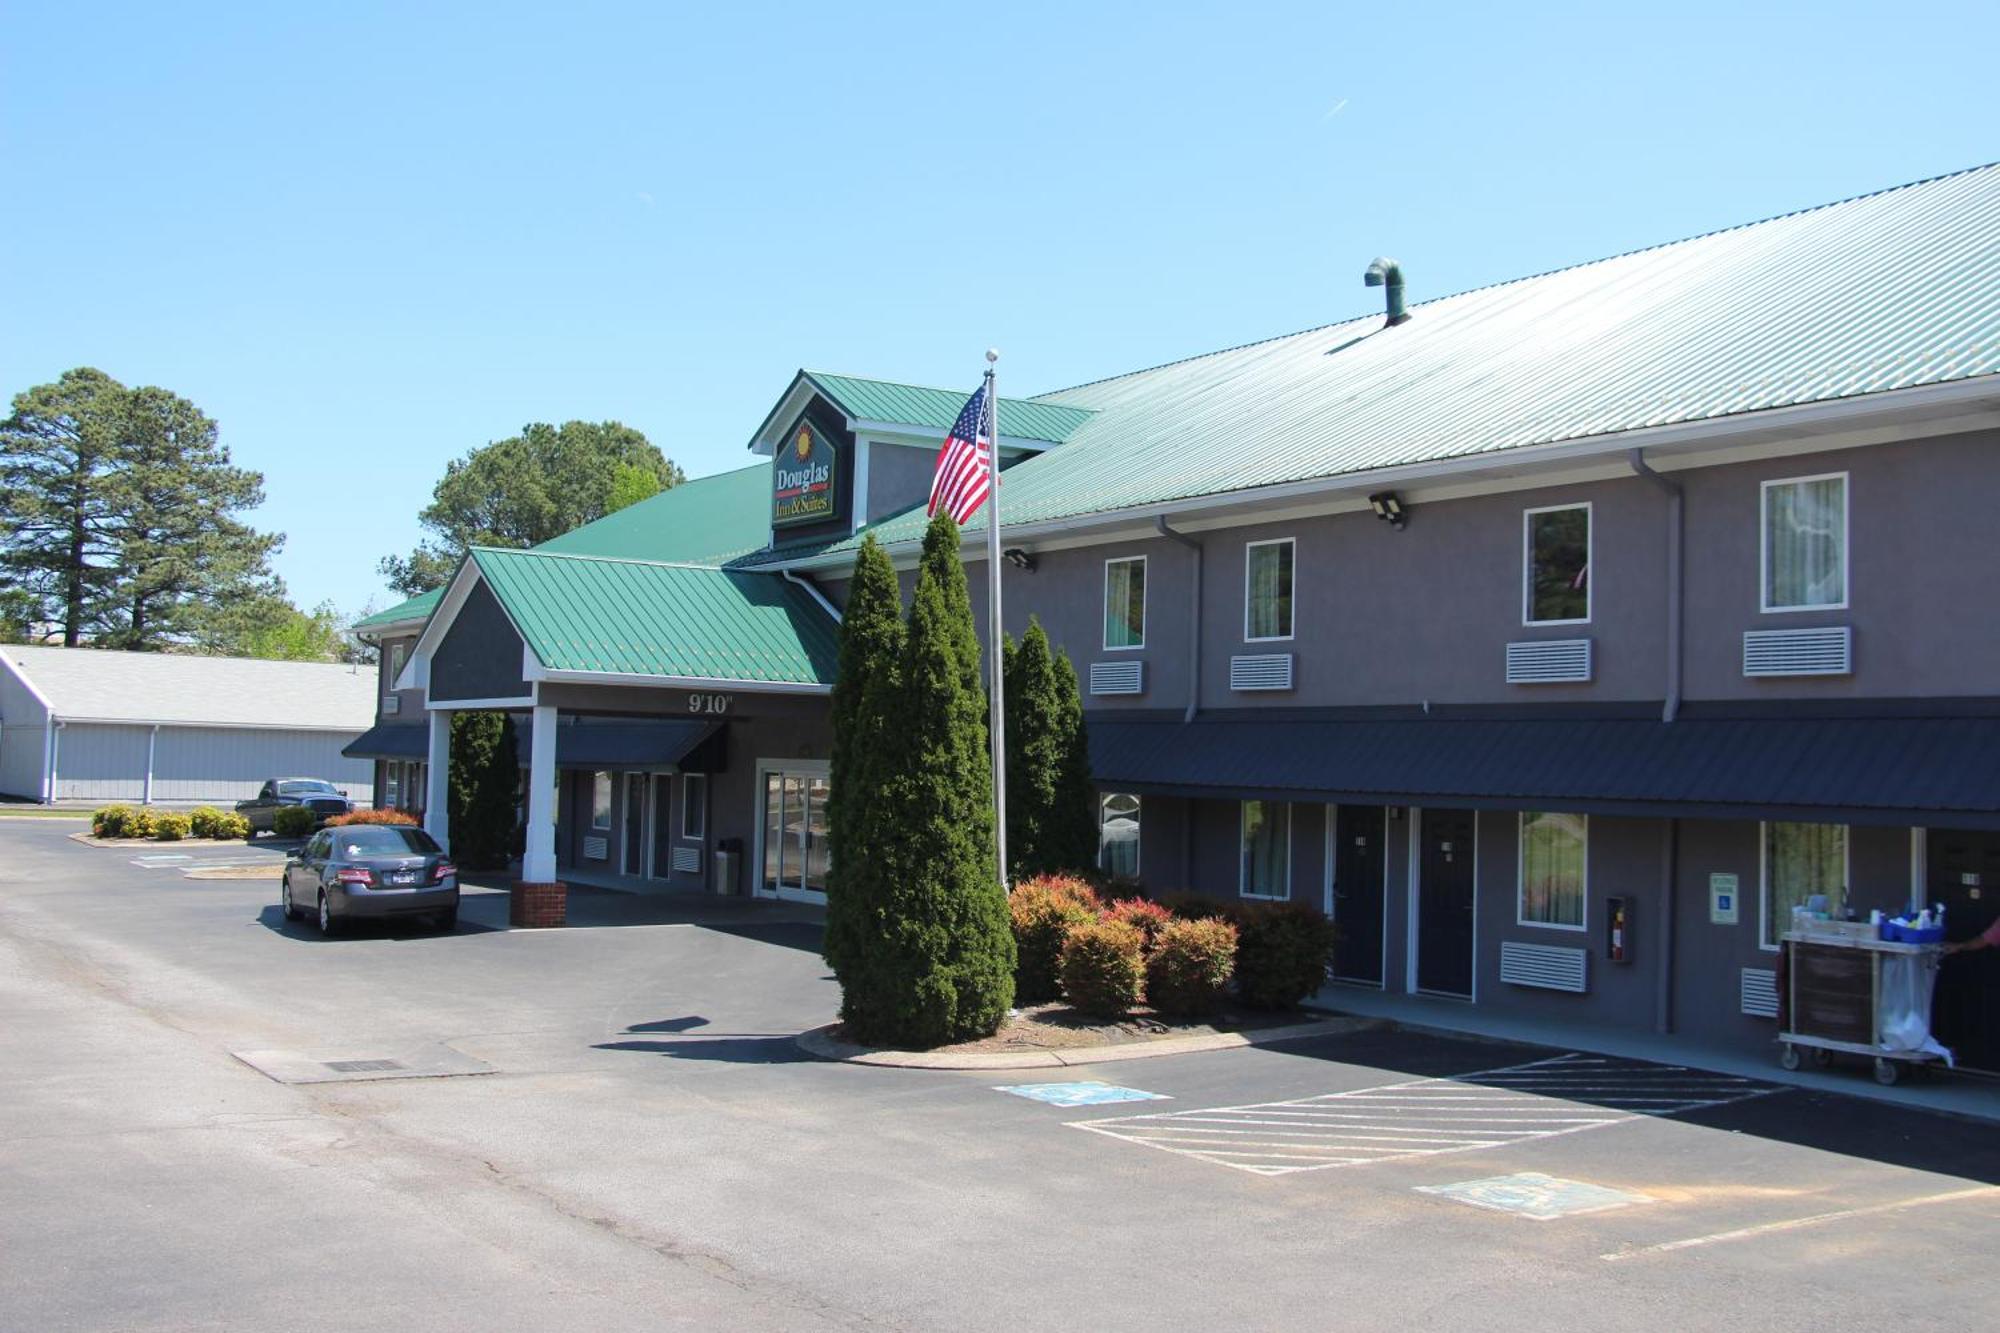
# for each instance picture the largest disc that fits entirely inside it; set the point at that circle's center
(20, 673)
(555, 677)
(801, 392)
(1782, 424)
(338, 728)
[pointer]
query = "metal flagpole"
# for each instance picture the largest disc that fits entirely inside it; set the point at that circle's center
(997, 720)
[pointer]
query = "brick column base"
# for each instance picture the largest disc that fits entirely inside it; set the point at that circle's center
(538, 905)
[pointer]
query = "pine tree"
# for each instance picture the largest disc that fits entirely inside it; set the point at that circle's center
(60, 456)
(943, 967)
(117, 515)
(484, 788)
(871, 648)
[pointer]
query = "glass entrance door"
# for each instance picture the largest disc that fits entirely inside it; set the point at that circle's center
(795, 851)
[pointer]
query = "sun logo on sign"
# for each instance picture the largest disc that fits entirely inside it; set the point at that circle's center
(803, 445)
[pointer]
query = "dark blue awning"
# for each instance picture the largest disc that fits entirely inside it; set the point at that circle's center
(390, 740)
(1942, 771)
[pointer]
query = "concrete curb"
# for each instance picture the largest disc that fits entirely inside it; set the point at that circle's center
(820, 1043)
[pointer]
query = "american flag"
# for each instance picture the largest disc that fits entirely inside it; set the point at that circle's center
(963, 465)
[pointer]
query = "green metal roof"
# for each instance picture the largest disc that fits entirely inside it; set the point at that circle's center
(417, 608)
(937, 409)
(628, 617)
(706, 521)
(1888, 291)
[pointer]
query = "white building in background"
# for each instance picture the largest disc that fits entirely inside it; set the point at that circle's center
(86, 724)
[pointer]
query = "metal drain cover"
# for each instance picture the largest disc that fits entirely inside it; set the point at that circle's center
(434, 1060)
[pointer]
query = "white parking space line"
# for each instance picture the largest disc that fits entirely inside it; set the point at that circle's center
(1795, 1223)
(1429, 1117)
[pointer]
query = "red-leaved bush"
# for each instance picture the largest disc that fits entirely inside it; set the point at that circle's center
(1149, 917)
(1102, 972)
(1190, 967)
(373, 817)
(1043, 910)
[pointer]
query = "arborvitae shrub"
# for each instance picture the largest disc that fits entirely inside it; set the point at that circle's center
(1282, 953)
(941, 966)
(1043, 910)
(1190, 967)
(871, 651)
(484, 788)
(1102, 971)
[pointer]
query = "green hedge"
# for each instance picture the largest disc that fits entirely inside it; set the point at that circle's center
(293, 821)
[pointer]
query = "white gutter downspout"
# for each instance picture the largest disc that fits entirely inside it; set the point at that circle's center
(55, 754)
(1194, 618)
(1674, 595)
(814, 592)
(152, 743)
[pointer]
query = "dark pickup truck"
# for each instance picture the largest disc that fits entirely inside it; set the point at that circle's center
(321, 797)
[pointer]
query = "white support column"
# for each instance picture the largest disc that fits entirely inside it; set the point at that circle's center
(152, 745)
(538, 864)
(437, 791)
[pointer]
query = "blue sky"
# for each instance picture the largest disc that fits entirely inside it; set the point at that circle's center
(368, 238)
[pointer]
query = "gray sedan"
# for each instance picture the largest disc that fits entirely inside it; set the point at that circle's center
(376, 871)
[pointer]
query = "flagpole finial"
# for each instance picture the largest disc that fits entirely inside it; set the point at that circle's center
(992, 355)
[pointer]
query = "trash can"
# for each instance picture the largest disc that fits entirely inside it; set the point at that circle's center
(728, 866)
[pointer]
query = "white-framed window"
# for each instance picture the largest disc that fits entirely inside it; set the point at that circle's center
(1125, 602)
(396, 656)
(1118, 834)
(1268, 569)
(1554, 868)
(1555, 565)
(1794, 862)
(694, 805)
(600, 801)
(1803, 563)
(1266, 850)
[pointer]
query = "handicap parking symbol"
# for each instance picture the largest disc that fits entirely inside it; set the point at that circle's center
(1089, 1093)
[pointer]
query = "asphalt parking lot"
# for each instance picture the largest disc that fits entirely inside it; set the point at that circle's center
(212, 1118)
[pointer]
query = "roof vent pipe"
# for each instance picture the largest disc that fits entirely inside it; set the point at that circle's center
(1386, 272)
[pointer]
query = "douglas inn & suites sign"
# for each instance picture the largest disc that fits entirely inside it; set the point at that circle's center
(802, 478)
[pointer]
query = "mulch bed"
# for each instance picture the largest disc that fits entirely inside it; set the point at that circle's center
(1056, 1026)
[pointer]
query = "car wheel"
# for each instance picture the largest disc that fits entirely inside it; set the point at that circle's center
(446, 921)
(292, 912)
(329, 924)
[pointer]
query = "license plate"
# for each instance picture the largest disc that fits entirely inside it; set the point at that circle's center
(403, 877)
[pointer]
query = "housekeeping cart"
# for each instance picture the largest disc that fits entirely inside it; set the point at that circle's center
(1849, 991)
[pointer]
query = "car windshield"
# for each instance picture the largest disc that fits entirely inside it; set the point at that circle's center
(309, 788)
(388, 840)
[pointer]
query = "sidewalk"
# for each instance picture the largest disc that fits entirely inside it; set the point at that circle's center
(1954, 1094)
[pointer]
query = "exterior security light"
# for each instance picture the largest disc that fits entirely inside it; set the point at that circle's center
(1388, 508)
(1020, 559)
